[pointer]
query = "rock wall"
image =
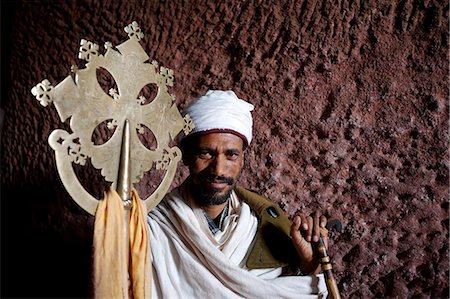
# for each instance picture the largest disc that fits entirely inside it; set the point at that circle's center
(351, 117)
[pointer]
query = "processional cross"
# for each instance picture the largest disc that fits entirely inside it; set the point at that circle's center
(123, 159)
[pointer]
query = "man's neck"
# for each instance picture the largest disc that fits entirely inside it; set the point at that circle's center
(214, 211)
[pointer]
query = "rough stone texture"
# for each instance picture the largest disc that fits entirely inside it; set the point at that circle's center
(351, 118)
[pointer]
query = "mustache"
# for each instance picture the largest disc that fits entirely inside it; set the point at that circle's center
(207, 177)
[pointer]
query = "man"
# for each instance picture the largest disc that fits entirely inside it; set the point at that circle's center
(213, 239)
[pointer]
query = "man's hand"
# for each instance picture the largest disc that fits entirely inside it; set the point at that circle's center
(305, 230)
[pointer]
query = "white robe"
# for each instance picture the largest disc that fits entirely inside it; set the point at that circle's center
(188, 261)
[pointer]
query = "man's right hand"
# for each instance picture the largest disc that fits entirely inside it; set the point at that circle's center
(305, 230)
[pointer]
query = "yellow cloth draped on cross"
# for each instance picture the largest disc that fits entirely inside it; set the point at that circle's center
(118, 272)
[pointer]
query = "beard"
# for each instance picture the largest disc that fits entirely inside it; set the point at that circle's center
(207, 197)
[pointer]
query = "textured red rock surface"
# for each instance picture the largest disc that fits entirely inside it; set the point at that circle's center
(351, 118)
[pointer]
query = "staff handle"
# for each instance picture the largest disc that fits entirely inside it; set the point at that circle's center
(327, 270)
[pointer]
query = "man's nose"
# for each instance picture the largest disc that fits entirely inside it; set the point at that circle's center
(218, 165)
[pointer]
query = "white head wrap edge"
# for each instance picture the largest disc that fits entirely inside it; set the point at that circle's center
(221, 110)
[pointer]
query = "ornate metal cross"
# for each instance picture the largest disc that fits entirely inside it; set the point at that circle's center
(83, 100)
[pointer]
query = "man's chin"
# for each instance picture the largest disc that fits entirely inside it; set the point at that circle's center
(215, 197)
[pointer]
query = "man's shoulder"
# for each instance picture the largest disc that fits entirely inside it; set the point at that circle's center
(172, 195)
(254, 199)
(175, 192)
(273, 246)
(265, 208)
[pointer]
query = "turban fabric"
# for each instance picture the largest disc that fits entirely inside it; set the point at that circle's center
(221, 111)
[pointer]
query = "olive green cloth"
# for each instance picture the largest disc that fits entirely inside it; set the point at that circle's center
(273, 246)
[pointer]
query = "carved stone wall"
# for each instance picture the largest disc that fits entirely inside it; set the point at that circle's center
(351, 117)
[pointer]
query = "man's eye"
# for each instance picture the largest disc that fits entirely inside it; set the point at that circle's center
(232, 155)
(204, 155)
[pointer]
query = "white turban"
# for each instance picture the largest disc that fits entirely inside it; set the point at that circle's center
(221, 111)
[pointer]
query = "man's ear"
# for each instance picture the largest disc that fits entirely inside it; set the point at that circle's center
(186, 159)
(244, 147)
(187, 149)
(186, 152)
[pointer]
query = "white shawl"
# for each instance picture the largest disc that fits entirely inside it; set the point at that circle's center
(190, 262)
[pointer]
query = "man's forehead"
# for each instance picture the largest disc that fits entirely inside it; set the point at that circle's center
(223, 140)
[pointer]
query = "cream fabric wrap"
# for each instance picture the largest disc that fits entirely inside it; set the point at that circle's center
(190, 262)
(221, 110)
(112, 266)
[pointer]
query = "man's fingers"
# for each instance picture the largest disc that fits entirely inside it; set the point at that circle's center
(304, 222)
(299, 228)
(310, 228)
(323, 221)
(295, 228)
(316, 227)
(296, 223)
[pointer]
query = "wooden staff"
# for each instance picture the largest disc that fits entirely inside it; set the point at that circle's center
(325, 263)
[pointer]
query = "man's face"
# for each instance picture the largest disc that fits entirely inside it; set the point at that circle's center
(215, 162)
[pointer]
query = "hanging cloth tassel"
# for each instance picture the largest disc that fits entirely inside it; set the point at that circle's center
(110, 260)
(140, 263)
